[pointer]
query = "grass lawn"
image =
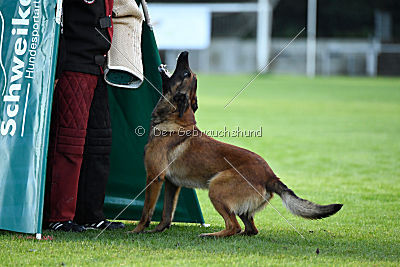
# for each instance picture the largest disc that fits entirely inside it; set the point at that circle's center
(331, 140)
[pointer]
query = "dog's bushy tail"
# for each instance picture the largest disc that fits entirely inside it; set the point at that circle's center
(299, 206)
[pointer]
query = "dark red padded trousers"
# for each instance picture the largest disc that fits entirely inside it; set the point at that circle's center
(71, 104)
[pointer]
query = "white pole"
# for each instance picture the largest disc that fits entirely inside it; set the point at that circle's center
(263, 33)
(311, 36)
(372, 58)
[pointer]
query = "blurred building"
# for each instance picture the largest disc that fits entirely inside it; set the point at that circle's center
(354, 37)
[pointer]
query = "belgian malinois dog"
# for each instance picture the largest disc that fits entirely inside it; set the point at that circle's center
(240, 182)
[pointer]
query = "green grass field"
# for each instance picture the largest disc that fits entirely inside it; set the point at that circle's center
(331, 140)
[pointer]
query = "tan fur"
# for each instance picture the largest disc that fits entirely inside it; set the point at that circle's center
(198, 161)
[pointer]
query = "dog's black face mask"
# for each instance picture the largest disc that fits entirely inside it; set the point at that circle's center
(180, 87)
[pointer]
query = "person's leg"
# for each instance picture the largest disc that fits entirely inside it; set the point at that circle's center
(96, 163)
(72, 99)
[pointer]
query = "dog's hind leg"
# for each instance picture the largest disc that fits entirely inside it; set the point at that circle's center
(153, 189)
(170, 200)
(232, 226)
(221, 204)
(250, 228)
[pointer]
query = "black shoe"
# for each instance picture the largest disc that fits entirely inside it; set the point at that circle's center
(105, 224)
(68, 226)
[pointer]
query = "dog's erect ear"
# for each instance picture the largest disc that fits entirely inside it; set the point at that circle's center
(194, 104)
(193, 98)
(182, 102)
(165, 77)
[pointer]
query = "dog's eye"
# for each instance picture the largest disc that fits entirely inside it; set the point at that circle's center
(186, 74)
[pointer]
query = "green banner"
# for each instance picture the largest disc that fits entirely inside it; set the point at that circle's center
(28, 45)
(130, 117)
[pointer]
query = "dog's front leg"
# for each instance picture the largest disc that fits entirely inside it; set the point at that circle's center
(153, 189)
(170, 200)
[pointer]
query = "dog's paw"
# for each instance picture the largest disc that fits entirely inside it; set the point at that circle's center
(159, 228)
(139, 229)
(248, 233)
(135, 232)
(152, 231)
(206, 235)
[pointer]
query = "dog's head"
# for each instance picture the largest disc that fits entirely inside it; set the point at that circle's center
(179, 101)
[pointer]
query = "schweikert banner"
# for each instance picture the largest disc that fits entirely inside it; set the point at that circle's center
(28, 43)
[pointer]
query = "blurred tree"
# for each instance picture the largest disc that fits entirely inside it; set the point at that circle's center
(336, 18)
(289, 18)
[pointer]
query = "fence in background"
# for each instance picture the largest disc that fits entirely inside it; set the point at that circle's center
(333, 57)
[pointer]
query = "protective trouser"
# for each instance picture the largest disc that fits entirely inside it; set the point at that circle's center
(81, 53)
(71, 103)
(96, 159)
